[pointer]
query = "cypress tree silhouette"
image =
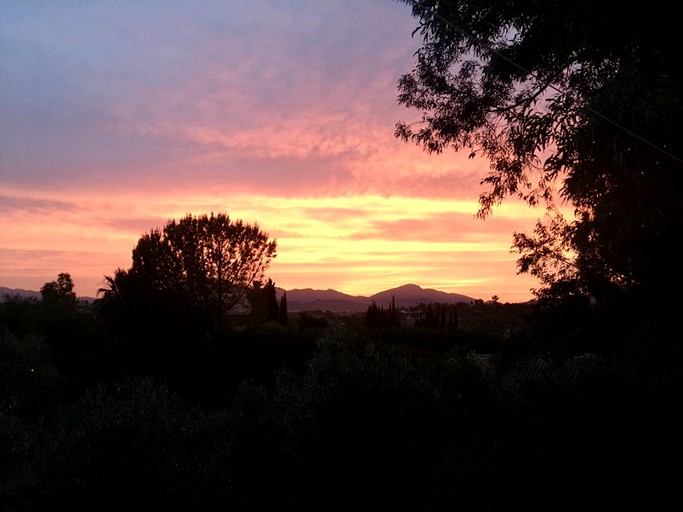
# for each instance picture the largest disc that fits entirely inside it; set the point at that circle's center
(284, 320)
(374, 317)
(272, 306)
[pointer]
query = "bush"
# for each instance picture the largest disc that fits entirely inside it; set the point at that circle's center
(130, 443)
(31, 384)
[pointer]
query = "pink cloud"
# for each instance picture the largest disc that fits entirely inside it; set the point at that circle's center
(118, 118)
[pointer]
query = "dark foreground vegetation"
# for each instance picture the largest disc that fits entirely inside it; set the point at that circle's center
(512, 410)
(153, 399)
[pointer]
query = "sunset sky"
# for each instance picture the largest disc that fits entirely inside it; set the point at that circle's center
(117, 116)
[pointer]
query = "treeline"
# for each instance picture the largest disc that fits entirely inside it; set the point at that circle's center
(188, 384)
(324, 411)
(431, 315)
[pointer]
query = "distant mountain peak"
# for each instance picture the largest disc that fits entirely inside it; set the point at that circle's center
(310, 299)
(411, 294)
(407, 295)
(407, 287)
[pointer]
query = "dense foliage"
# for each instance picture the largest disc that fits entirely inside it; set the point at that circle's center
(194, 270)
(324, 412)
(577, 97)
(60, 290)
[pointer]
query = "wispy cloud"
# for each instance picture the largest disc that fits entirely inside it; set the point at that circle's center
(119, 116)
(360, 244)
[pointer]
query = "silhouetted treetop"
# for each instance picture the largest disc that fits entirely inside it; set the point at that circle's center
(579, 97)
(283, 315)
(59, 290)
(263, 302)
(206, 262)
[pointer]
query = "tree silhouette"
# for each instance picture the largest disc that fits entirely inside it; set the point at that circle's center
(272, 305)
(284, 320)
(121, 302)
(571, 96)
(437, 315)
(114, 285)
(374, 316)
(60, 290)
(263, 302)
(393, 312)
(377, 317)
(199, 267)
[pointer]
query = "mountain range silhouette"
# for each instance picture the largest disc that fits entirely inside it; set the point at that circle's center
(309, 299)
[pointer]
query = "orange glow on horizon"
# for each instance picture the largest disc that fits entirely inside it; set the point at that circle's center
(118, 136)
(355, 244)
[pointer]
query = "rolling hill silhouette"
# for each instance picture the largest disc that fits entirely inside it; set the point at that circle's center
(308, 299)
